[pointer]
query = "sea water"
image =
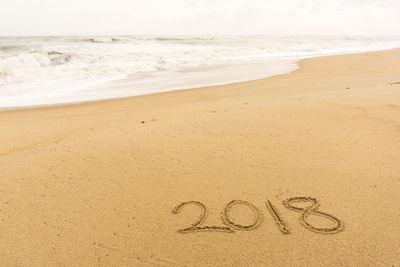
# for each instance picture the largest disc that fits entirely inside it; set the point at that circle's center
(53, 70)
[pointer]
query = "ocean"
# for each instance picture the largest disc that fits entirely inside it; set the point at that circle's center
(53, 70)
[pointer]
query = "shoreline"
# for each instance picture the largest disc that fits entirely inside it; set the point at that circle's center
(107, 182)
(153, 92)
(296, 63)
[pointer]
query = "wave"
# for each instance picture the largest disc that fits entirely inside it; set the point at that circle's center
(9, 47)
(31, 62)
(101, 40)
(182, 39)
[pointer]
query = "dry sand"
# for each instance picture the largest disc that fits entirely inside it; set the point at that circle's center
(95, 184)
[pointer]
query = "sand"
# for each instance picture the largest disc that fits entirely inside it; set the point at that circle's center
(301, 169)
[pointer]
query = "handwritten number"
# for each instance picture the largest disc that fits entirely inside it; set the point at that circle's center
(312, 209)
(306, 212)
(281, 223)
(195, 227)
(257, 215)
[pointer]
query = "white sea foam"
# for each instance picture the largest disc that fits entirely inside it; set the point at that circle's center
(49, 70)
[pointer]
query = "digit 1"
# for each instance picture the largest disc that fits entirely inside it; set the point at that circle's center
(279, 221)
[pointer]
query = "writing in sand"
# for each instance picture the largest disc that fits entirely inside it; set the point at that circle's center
(310, 209)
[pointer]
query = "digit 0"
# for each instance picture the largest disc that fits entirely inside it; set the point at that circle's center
(228, 221)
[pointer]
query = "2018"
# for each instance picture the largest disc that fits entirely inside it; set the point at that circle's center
(230, 225)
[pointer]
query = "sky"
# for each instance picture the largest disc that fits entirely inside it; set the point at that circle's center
(199, 17)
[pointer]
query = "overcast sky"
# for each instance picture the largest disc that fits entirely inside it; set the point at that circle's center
(119, 17)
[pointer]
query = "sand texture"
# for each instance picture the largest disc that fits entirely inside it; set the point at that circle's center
(301, 169)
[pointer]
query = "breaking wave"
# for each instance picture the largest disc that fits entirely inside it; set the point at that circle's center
(29, 64)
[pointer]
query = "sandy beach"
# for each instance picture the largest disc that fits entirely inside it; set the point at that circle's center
(301, 169)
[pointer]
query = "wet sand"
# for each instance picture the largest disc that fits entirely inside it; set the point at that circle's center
(301, 169)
